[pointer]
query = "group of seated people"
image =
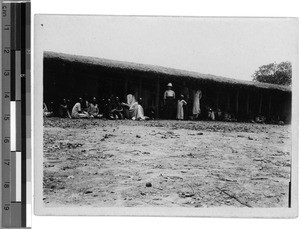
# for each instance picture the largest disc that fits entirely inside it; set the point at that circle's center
(113, 108)
(106, 108)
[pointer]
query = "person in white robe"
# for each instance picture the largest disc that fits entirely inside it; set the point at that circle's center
(180, 104)
(136, 111)
(196, 103)
(77, 112)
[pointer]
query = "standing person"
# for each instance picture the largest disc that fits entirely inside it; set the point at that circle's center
(94, 109)
(77, 112)
(196, 104)
(169, 102)
(186, 93)
(63, 109)
(211, 114)
(180, 111)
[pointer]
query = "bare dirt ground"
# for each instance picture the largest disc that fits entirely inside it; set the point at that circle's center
(185, 164)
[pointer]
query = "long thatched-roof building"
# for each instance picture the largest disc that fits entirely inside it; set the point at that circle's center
(72, 76)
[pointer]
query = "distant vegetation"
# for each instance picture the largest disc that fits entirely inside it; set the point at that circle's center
(274, 73)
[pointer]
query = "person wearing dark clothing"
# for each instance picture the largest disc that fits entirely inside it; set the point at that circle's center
(169, 102)
(117, 109)
(108, 107)
(64, 109)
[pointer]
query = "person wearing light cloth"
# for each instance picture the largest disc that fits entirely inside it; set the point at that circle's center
(180, 111)
(136, 111)
(46, 111)
(210, 114)
(77, 112)
(93, 109)
(196, 104)
(185, 91)
(169, 102)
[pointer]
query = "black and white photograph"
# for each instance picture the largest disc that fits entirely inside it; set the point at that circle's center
(182, 116)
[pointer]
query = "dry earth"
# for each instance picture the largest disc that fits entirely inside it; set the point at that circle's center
(105, 163)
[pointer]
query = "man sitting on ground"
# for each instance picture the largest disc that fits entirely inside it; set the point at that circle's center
(94, 109)
(47, 112)
(117, 110)
(77, 111)
(63, 109)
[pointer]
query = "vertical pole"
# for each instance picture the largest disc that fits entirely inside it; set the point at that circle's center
(228, 102)
(217, 100)
(260, 103)
(247, 103)
(270, 105)
(140, 88)
(110, 86)
(70, 78)
(126, 86)
(157, 97)
(237, 102)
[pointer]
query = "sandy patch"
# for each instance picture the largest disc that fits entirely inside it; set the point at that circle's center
(190, 164)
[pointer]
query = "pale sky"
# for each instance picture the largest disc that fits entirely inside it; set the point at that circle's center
(230, 47)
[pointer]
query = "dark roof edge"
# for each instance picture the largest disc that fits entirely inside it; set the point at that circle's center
(159, 70)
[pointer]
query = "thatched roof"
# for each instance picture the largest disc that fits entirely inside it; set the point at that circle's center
(122, 65)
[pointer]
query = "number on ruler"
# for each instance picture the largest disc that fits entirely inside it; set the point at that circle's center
(4, 11)
(6, 73)
(6, 118)
(6, 185)
(6, 140)
(6, 207)
(6, 95)
(6, 50)
(7, 163)
(6, 27)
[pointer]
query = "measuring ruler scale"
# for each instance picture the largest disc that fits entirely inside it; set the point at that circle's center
(15, 97)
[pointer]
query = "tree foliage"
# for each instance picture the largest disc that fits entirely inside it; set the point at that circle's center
(274, 73)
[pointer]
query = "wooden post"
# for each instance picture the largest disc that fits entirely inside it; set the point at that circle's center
(140, 88)
(110, 86)
(247, 103)
(237, 102)
(70, 89)
(260, 103)
(270, 105)
(217, 100)
(157, 97)
(228, 102)
(126, 87)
